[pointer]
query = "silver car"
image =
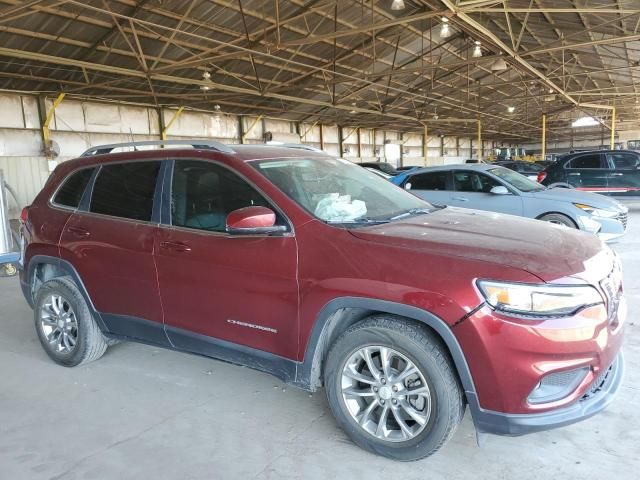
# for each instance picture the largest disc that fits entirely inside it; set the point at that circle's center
(498, 189)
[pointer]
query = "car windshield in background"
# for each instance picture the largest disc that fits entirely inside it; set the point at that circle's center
(338, 191)
(519, 181)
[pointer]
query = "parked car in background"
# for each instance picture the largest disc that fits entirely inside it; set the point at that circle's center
(528, 169)
(317, 271)
(610, 172)
(380, 173)
(406, 168)
(382, 166)
(498, 189)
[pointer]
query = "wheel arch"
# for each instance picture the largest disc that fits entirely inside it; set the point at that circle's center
(555, 212)
(42, 268)
(340, 313)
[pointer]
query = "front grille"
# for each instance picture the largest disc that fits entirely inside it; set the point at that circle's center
(623, 218)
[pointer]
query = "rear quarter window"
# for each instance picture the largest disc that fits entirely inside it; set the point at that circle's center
(70, 192)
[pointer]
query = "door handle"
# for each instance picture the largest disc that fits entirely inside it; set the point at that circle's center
(574, 173)
(79, 231)
(175, 246)
(461, 199)
(617, 174)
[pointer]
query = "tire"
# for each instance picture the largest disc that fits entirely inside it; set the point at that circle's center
(558, 219)
(84, 341)
(403, 342)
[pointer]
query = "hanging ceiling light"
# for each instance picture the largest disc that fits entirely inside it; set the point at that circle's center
(397, 5)
(499, 65)
(477, 51)
(445, 30)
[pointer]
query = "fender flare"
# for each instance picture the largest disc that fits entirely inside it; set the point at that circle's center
(308, 372)
(69, 270)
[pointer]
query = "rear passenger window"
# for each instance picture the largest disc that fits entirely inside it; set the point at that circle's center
(585, 161)
(70, 193)
(428, 181)
(126, 190)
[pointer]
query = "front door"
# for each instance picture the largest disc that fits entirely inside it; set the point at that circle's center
(213, 285)
(473, 190)
(624, 176)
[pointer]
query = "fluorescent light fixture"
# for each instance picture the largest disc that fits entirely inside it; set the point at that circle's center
(585, 122)
(397, 5)
(445, 30)
(499, 65)
(477, 51)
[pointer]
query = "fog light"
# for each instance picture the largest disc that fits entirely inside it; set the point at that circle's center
(557, 386)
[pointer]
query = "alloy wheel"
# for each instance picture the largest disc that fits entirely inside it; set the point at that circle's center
(386, 394)
(59, 324)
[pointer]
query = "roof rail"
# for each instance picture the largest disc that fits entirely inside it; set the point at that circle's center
(299, 146)
(196, 144)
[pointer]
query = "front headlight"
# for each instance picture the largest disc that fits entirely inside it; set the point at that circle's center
(538, 300)
(597, 212)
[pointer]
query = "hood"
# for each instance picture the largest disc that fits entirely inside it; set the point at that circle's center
(578, 196)
(547, 251)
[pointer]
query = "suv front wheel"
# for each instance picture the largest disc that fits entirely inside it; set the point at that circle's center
(65, 326)
(393, 389)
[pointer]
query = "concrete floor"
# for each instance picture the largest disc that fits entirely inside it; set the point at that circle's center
(143, 412)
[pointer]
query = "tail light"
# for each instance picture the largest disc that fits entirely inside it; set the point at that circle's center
(541, 176)
(24, 215)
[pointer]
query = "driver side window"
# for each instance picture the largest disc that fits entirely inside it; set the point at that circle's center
(204, 193)
(473, 182)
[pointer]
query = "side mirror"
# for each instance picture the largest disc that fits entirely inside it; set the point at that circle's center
(500, 190)
(252, 221)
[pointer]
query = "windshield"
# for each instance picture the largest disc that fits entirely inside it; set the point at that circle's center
(338, 191)
(519, 181)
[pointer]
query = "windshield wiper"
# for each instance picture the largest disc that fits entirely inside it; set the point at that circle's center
(358, 221)
(412, 212)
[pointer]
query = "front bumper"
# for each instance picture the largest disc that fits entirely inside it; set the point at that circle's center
(608, 229)
(599, 395)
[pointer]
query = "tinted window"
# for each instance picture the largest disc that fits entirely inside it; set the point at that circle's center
(624, 161)
(71, 191)
(585, 161)
(428, 181)
(126, 190)
(473, 182)
(203, 194)
(529, 167)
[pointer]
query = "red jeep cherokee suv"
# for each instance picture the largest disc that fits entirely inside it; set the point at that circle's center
(320, 272)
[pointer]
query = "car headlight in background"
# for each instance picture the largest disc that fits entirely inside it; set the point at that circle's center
(538, 300)
(597, 212)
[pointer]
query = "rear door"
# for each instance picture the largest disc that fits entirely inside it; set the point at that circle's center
(624, 176)
(109, 240)
(430, 186)
(473, 190)
(588, 172)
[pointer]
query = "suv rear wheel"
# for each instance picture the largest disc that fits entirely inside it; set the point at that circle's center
(393, 389)
(65, 326)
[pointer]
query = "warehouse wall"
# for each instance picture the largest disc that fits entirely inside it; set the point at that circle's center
(77, 125)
